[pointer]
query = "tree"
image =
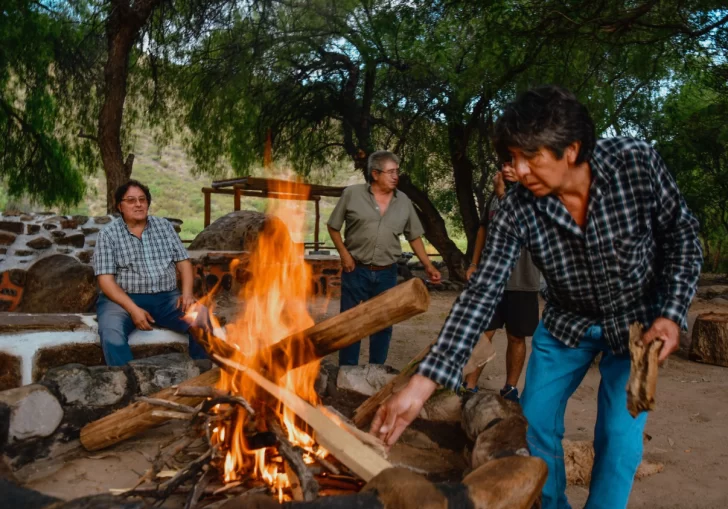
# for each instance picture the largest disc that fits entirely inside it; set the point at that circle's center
(424, 79)
(40, 153)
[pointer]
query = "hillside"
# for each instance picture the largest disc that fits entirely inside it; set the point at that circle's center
(176, 191)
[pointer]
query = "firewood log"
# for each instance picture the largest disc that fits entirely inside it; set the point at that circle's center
(642, 383)
(710, 339)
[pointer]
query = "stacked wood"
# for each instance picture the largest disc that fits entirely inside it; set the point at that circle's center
(642, 383)
(391, 307)
(710, 339)
(497, 426)
(507, 483)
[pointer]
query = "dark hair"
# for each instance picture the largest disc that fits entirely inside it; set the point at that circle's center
(123, 188)
(377, 159)
(547, 116)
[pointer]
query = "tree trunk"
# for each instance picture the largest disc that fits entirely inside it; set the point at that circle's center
(435, 229)
(463, 169)
(122, 30)
(710, 339)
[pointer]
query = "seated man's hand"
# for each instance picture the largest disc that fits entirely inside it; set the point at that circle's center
(433, 274)
(400, 410)
(469, 273)
(185, 302)
(142, 319)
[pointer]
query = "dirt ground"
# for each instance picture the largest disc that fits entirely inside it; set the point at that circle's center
(688, 428)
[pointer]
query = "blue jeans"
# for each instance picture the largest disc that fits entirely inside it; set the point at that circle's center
(115, 324)
(554, 372)
(357, 286)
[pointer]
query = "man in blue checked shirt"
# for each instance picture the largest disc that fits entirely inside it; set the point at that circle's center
(135, 262)
(611, 234)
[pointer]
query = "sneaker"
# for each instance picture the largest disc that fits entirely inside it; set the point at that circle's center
(510, 393)
(464, 389)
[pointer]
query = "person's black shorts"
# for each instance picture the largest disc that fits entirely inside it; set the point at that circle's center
(518, 311)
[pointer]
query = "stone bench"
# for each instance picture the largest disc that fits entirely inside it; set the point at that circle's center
(30, 344)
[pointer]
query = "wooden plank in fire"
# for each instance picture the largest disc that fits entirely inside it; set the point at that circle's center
(345, 447)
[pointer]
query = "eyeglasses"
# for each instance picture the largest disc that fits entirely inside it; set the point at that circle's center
(133, 200)
(390, 173)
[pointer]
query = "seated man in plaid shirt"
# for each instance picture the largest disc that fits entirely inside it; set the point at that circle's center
(612, 236)
(135, 263)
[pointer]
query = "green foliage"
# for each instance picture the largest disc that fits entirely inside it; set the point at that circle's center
(41, 155)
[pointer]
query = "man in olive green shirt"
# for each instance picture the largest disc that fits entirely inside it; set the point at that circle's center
(375, 214)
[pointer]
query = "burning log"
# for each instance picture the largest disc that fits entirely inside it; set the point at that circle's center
(642, 383)
(303, 484)
(393, 306)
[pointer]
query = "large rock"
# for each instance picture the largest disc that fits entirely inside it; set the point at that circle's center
(155, 373)
(237, 231)
(90, 387)
(34, 412)
(59, 284)
(364, 380)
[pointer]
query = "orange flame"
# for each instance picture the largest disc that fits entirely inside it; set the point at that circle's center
(275, 300)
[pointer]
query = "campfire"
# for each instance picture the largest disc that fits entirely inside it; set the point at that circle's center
(255, 430)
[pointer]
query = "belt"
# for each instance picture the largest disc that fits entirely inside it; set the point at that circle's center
(375, 267)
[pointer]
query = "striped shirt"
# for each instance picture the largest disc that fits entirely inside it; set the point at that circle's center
(638, 258)
(145, 265)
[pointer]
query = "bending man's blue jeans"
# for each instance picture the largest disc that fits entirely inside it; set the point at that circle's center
(554, 372)
(357, 286)
(115, 324)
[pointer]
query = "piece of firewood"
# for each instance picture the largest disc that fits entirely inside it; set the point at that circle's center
(393, 306)
(642, 383)
(303, 483)
(710, 339)
(346, 448)
(514, 482)
(365, 412)
(579, 460)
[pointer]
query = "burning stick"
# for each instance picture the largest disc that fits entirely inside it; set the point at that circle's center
(298, 472)
(642, 383)
(362, 460)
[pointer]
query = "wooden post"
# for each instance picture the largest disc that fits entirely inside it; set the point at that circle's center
(393, 306)
(206, 192)
(316, 225)
(236, 200)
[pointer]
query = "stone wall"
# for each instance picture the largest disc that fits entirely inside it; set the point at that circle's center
(31, 344)
(43, 419)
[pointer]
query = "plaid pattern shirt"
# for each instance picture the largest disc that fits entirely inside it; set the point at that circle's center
(638, 258)
(145, 265)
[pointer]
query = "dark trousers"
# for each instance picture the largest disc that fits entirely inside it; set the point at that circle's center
(115, 324)
(357, 286)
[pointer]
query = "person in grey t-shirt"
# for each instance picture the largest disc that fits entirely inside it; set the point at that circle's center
(517, 310)
(375, 215)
